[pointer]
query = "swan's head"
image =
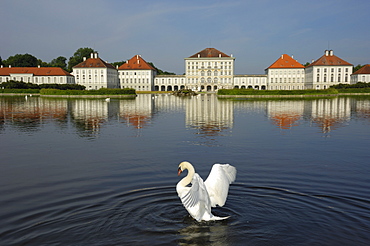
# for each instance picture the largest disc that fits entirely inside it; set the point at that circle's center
(182, 166)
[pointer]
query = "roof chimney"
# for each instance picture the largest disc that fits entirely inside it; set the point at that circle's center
(10, 66)
(2, 66)
(331, 53)
(198, 55)
(282, 56)
(92, 55)
(312, 60)
(84, 58)
(96, 55)
(116, 66)
(326, 52)
(219, 55)
(38, 66)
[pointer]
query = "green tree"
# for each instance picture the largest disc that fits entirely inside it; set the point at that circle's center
(59, 62)
(118, 63)
(357, 67)
(1, 61)
(42, 63)
(78, 57)
(159, 71)
(306, 64)
(19, 60)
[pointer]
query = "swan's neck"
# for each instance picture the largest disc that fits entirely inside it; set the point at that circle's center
(187, 180)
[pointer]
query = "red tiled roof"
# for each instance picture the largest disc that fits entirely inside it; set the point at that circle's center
(36, 71)
(209, 52)
(285, 61)
(364, 70)
(329, 59)
(136, 63)
(94, 63)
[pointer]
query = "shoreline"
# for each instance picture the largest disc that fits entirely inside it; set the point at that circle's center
(155, 92)
(68, 96)
(292, 96)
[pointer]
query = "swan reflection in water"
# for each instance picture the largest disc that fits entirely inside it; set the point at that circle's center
(204, 233)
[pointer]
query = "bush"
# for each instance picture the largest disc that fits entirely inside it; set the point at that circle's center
(347, 86)
(12, 84)
(62, 86)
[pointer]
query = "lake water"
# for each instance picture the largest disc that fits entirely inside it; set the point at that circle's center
(91, 172)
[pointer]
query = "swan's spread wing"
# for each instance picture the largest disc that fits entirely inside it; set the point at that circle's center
(196, 199)
(218, 181)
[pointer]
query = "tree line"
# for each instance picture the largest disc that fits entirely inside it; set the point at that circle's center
(28, 60)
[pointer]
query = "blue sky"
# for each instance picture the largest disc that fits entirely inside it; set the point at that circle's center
(166, 31)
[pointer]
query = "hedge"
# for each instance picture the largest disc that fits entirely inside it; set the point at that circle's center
(23, 91)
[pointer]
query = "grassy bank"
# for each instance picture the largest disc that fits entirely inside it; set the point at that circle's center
(251, 92)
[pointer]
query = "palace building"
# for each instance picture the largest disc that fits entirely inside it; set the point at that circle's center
(286, 74)
(206, 70)
(94, 73)
(361, 75)
(326, 71)
(137, 73)
(36, 75)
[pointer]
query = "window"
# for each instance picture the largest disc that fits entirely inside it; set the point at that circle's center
(209, 73)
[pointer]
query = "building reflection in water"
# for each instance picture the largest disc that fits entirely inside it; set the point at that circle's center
(208, 115)
(330, 114)
(89, 114)
(29, 114)
(285, 114)
(327, 114)
(137, 112)
(363, 109)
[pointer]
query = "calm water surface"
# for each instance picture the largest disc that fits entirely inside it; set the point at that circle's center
(88, 172)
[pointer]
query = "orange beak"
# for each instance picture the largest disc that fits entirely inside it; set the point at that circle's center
(179, 171)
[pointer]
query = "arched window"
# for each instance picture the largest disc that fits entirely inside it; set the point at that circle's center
(209, 73)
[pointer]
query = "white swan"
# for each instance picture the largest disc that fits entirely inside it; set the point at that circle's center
(201, 196)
